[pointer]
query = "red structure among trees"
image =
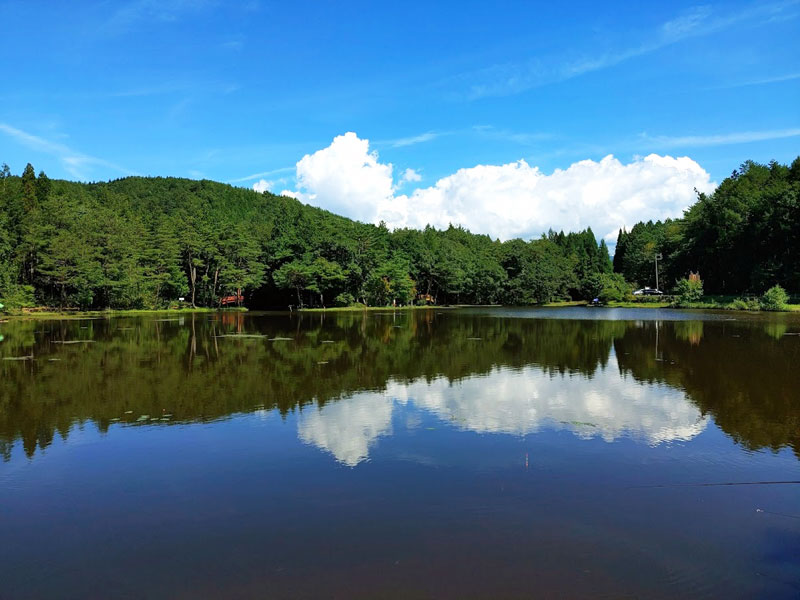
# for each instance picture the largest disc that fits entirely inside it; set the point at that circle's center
(236, 299)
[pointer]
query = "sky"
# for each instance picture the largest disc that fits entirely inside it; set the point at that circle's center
(508, 118)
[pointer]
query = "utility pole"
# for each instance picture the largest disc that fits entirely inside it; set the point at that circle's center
(657, 258)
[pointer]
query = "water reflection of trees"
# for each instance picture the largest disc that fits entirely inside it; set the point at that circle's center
(745, 376)
(196, 369)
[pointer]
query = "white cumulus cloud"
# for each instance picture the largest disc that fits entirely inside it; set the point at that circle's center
(411, 175)
(345, 178)
(504, 201)
(262, 185)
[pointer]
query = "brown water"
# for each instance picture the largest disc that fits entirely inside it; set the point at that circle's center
(427, 454)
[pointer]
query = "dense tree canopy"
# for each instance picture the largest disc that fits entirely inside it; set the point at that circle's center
(743, 238)
(145, 242)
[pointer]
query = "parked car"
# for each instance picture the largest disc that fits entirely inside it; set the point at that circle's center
(647, 291)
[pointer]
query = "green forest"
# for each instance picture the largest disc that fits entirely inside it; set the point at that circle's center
(742, 239)
(146, 242)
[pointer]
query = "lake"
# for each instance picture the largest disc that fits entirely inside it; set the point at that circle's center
(469, 453)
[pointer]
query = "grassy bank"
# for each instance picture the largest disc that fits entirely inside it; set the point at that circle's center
(564, 303)
(710, 304)
(703, 305)
(76, 314)
(361, 308)
(716, 305)
(635, 304)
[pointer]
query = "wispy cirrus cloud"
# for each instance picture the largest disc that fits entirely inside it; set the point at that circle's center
(76, 163)
(172, 87)
(723, 139)
(524, 138)
(754, 82)
(516, 77)
(413, 140)
(132, 13)
(235, 43)
(132, 92)
(485, 131)
(262, 174)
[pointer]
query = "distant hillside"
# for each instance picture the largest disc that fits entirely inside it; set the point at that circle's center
(145, 242)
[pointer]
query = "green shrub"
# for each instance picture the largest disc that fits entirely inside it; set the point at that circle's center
(775, 298)
(688, 291)
(18, 296)
(344, 299)
(649, 299)
(607, 287)
(739, 304)
(615, 288)
(745, 304)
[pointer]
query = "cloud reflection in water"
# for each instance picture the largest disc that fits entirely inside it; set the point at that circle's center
(510, 401)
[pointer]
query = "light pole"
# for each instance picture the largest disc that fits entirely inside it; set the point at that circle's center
(657, 258)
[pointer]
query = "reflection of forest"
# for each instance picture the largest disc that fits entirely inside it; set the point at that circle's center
(747, 378)
(193, 368)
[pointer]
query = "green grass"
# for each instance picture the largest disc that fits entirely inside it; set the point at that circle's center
(76, 314)
(559, 303)
(708, 303)
(361, 307)
(713, 303)
(727, 303)
(636, 304)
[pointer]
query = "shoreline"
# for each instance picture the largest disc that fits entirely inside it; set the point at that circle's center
(562, 304)
(385, 308)
(76, 314)
(50, 314)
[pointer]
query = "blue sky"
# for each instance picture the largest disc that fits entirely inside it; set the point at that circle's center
(242, 91)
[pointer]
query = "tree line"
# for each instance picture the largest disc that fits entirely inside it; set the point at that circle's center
(146, 242)
(743, 238)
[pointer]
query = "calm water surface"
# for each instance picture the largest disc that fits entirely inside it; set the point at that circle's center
(483, 453)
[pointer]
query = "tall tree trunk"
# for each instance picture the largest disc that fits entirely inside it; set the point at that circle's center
(206, 275)
(193, 279)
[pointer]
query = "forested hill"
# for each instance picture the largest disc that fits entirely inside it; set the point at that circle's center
(742, 239)
(145, 242)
